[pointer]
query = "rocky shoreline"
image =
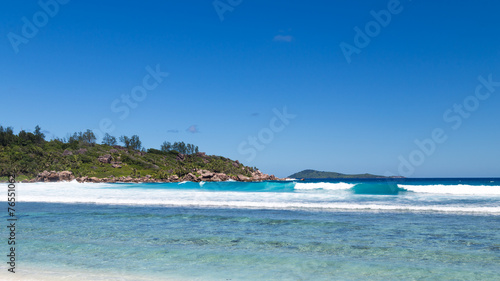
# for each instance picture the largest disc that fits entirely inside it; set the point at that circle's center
(195, 176)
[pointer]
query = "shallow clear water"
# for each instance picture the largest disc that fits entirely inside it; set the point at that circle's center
(268, 232)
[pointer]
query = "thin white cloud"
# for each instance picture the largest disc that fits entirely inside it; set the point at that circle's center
(283, 38)
(193, 129)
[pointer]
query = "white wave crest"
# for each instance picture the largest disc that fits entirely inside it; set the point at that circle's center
(460, 189)
(323, 185)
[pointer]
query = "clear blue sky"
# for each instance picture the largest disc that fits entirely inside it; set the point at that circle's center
(228, 77)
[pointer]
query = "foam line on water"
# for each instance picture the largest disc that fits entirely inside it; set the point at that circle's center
(460, 189)
(323, 185)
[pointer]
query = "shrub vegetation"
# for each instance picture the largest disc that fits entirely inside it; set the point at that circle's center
(28, 153)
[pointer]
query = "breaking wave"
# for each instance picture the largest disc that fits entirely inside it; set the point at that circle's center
(394, 189)
(274, 195)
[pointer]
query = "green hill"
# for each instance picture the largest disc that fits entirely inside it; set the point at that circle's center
(313, 174)
(28, 154)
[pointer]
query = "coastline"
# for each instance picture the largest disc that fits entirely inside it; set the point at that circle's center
(194, 176)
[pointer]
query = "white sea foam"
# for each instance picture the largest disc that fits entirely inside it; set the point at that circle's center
(323, 185)
(460, 189)
(133, 194)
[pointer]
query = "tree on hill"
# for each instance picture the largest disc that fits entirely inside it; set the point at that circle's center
(26, 138)
(7, 136)
(83, 138)
(166, 146)
(39, 136)
(109, 140)
(180, 147)
(132, 142)
(89, 137)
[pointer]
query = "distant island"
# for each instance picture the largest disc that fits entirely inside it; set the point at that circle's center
(313, 174)
(79, 157)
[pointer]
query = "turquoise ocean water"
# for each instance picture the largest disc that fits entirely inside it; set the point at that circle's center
(406, 229)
